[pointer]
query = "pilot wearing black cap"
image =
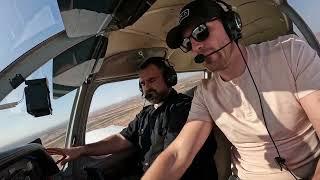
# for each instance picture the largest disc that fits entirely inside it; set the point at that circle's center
(192, 14)
(196, 13)
(261, 96)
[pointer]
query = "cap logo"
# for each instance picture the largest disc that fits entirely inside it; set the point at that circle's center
(184, 14)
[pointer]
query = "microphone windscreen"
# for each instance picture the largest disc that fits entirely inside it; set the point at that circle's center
(199, 58)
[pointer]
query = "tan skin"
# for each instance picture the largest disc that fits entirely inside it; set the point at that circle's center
(150, 78)
(311, 104)
(228, 63)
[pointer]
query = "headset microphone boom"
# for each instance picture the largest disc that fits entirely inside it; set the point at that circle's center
(200, 58)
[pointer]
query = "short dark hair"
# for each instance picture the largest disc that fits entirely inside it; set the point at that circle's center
(167, 71)
(157, 61)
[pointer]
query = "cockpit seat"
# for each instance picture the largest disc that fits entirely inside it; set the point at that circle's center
(222, 156)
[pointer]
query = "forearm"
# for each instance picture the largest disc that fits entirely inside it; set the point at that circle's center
(112, 144)
(310, 104)
(174, 161)
(167, 162)
(316, 175)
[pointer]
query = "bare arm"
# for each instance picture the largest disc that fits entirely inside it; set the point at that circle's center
(112, 144)
(311, 104)
(174, 161)
(109, 145)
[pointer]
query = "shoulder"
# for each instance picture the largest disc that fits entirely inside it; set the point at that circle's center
(295, 48)
(178, 101)
(287, 49)
(182, 100)
(145, 110)
(280, 40)
(292, 42)
(208, 85)
(183, 97)
(280, 43)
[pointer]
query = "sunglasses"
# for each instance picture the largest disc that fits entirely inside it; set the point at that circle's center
(199, 33)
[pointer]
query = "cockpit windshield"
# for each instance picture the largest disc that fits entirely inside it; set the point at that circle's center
(24, 24)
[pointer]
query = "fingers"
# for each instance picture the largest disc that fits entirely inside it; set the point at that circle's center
(61, 152)
(68, 154)
(53, 148)
(56, 151)
(63, 161)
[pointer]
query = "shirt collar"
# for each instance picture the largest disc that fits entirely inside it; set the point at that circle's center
(172, 93)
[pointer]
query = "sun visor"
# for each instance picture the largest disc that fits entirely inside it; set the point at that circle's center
(81, 22)
(72, 67)
(126, 63)
(84, 18)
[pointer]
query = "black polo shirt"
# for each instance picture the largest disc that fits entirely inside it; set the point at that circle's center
(154, 129)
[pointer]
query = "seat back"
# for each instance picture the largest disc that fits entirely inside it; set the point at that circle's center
(222, 157)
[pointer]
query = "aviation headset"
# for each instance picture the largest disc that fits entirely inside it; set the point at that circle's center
(168, 72)
(231, 21)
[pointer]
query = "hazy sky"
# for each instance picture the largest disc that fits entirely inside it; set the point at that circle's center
(24, 24)
(27, 23)
(309, 10)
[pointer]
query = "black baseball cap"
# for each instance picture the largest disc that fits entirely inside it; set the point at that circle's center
(197, 11)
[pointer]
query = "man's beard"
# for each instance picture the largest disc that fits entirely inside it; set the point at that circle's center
(153, 96)
(218, 64)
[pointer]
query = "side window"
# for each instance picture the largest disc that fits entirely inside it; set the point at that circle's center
(186, 81)
(308, 11)
(26, 24)
(19, 127)
(114, 105)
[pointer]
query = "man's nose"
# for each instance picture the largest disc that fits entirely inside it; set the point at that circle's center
(146, 86)
(196, 46)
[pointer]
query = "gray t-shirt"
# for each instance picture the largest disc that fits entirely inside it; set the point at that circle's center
(285, 70)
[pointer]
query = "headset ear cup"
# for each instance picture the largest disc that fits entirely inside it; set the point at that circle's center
(231, 21)
(170, 74)
(172, 79)
(140, 88)
(233, 25)
(236, 25)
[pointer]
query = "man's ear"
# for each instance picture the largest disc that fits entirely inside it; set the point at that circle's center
(140, 88)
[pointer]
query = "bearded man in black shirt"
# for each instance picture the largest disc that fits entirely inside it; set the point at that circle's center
(155, 127)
